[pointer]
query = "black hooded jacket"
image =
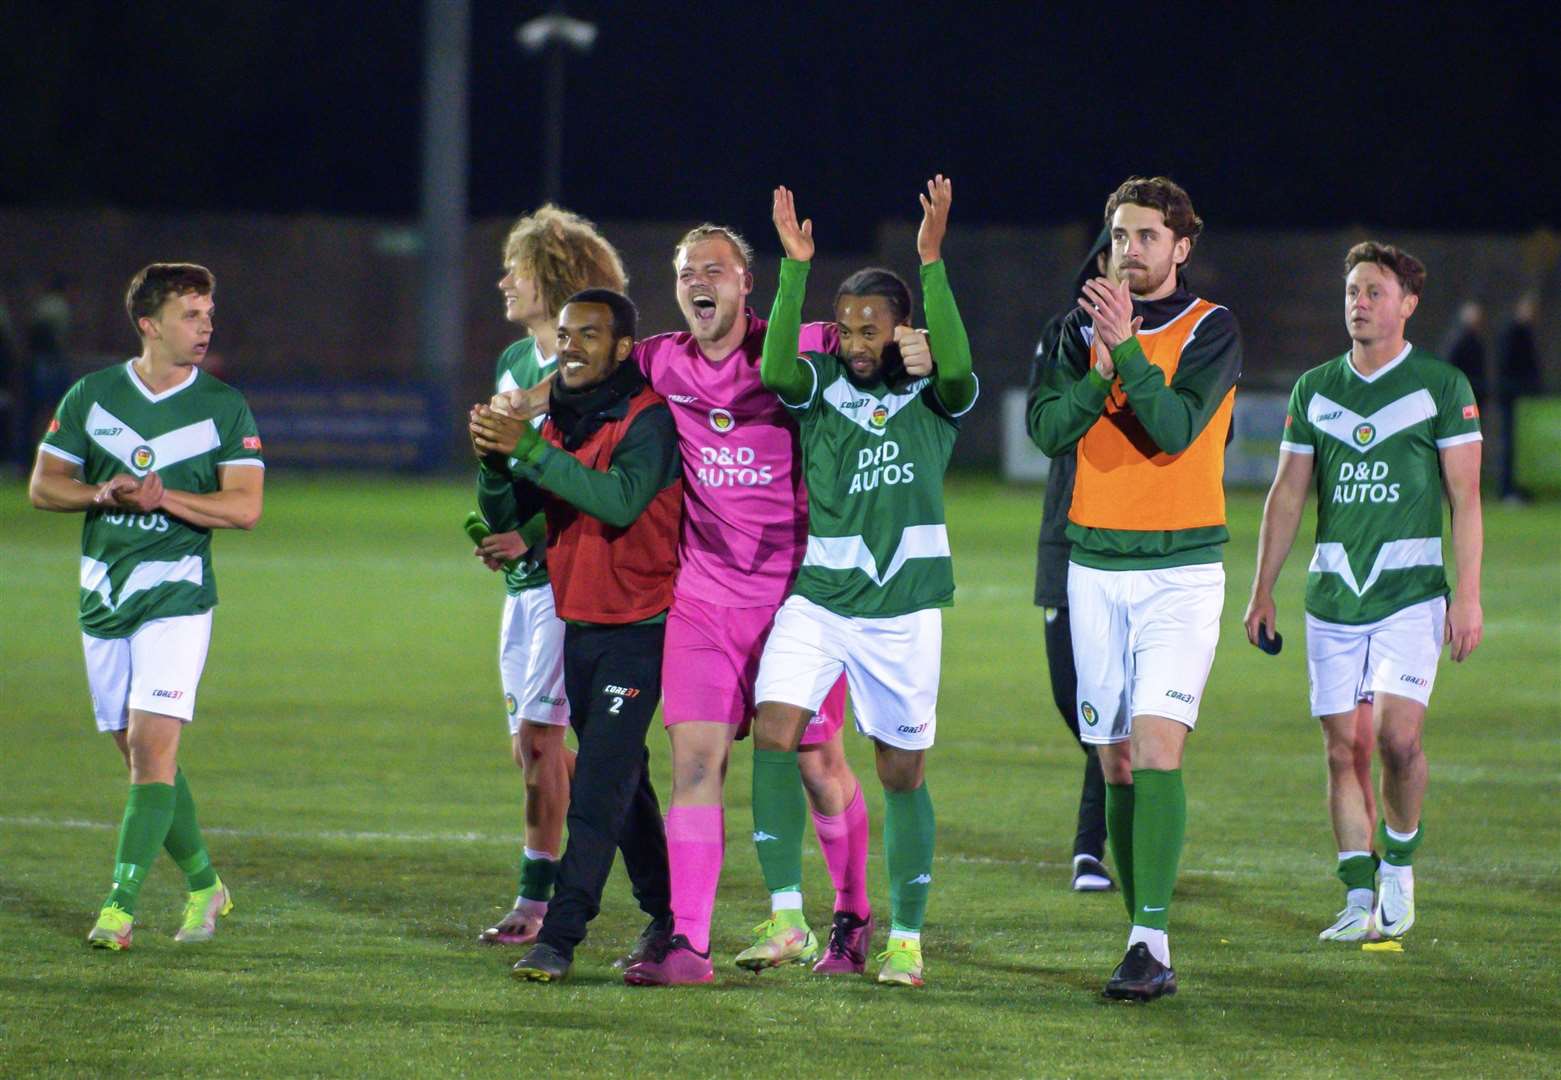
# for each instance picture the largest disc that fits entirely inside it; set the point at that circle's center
(1051, 559)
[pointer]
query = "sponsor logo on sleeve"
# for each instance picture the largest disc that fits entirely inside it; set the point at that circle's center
(54, 425)
(1288, 421)
(1179, 696)
(251, 442)
(1471, 412)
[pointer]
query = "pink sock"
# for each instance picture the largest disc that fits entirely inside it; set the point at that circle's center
(696, 842)
(844, 840)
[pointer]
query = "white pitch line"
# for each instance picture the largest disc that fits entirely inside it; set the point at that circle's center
(354, 836)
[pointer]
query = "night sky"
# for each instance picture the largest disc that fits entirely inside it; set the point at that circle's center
(1402, 116)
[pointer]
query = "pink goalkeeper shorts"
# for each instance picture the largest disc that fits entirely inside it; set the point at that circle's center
(711, 661)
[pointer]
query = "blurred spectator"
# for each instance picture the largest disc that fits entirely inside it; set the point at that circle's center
(48, 334)
(1464, 346)
(1517, 358)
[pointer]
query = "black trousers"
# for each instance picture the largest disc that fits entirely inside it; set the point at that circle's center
(1090, 836)
(612, 676)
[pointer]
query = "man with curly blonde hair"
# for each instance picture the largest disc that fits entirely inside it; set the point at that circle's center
(549, 255)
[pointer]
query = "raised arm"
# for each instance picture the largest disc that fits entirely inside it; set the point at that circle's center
(780, 369)
(1281, 520)
(953, 381)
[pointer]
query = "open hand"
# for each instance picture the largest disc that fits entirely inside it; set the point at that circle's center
(796, 240)
(934, 218)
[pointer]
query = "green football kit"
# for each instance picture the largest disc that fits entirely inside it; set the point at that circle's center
(876, 572)
(147, 588)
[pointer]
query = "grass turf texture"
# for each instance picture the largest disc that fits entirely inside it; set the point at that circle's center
(352, 771)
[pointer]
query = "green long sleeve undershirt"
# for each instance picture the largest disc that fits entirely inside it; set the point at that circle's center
(952, 378)
(644, 463)
(779, 367)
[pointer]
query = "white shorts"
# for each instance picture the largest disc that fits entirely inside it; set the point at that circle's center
(156, 669)
(1143, 643)
(1395, 655)
(891, 665)
(531, 660)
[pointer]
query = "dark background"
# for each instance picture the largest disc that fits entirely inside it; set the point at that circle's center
(1406, 116)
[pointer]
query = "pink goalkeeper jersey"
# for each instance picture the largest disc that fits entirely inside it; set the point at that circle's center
(745, 511)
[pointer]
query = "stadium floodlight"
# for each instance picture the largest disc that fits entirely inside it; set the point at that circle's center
(553, 36)
(557, 28)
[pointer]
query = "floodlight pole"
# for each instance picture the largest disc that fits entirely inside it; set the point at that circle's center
(554, 36)
(441, 311)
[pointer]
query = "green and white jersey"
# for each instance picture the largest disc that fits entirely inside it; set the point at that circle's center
(873, 461)
(520, 367)
(1376, 443)
(139, 567)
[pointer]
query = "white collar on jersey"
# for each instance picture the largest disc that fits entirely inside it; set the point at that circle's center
(1349, 362)
(135, 380)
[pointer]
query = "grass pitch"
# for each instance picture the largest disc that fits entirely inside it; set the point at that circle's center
(351, 766)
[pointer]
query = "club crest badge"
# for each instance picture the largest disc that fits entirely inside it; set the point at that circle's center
(142, 457)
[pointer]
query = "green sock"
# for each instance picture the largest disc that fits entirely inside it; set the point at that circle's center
(780, 811)
(184, 843)
(908, 831)
(148, 814)
(1358, 872)
(1398, 852)
(536, 878)
(1159, 826)
(1119, 832)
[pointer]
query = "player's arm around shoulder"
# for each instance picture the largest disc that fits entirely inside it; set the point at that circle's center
(780, 369)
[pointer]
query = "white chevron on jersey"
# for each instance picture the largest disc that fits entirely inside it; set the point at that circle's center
(122, 441)
(1363, 433)
(1331, 558)
(858, 406)
(147, 575)
(851, 552)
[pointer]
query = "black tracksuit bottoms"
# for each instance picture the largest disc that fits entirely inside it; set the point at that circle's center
(612, 676)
